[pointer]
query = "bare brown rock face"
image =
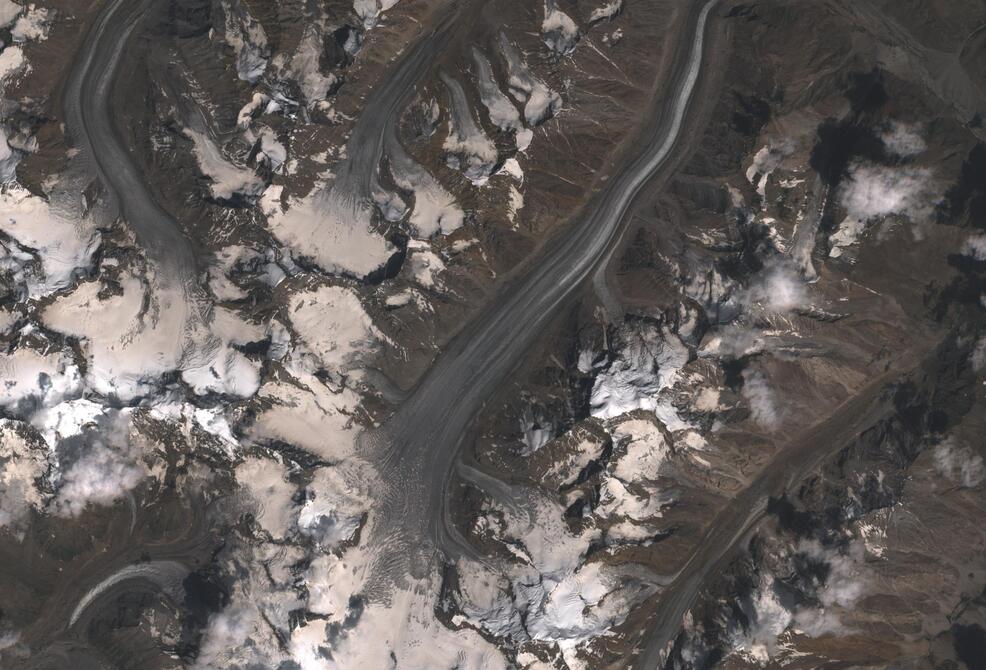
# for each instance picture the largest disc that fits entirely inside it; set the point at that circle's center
(430, 334)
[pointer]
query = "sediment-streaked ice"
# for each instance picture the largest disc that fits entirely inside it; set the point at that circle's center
(248, 39)
(435, 210)
(558, 30)
(502, 112)
(228, 180)
(305, 66)
(540, 102)
(467, 147)
(370, 10)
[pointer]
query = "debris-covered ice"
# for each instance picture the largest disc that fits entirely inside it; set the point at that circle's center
(247, 38)
(503, 113)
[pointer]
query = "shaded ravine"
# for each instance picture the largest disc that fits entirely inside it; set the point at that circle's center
(164, 575)
(423, 437)
(148, 564)
(796, 460)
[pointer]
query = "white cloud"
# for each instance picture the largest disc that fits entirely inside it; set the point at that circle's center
(779, 289)
(844, 585)
(873, 192)
(29, 377)
(108, 467)
(762, 399)
(903, 139)
(268, 486)
(975, 247)
(769, 619)
(558, 30)
(21, 464)
(227, 630)
(335, 505)
(32, 25)
(979, 355)
(959, 463)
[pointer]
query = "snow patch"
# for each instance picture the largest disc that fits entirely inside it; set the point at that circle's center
(228, 180)
(309, 415)
(330, 228)
(606, 12)
(959, 463)
(903, 139)
(435, 210)
(332, 324)
(467, 147)
(335, 504)
(558, 30)
(369, 11)
(8, 12)
(503, 113)
(647, 363)
(762, 399)
(424, 265)
(266, 482)
(64, 247)
(249, 42)
(305, 66)
(874, 191)
(541, 103)
(975, 247)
